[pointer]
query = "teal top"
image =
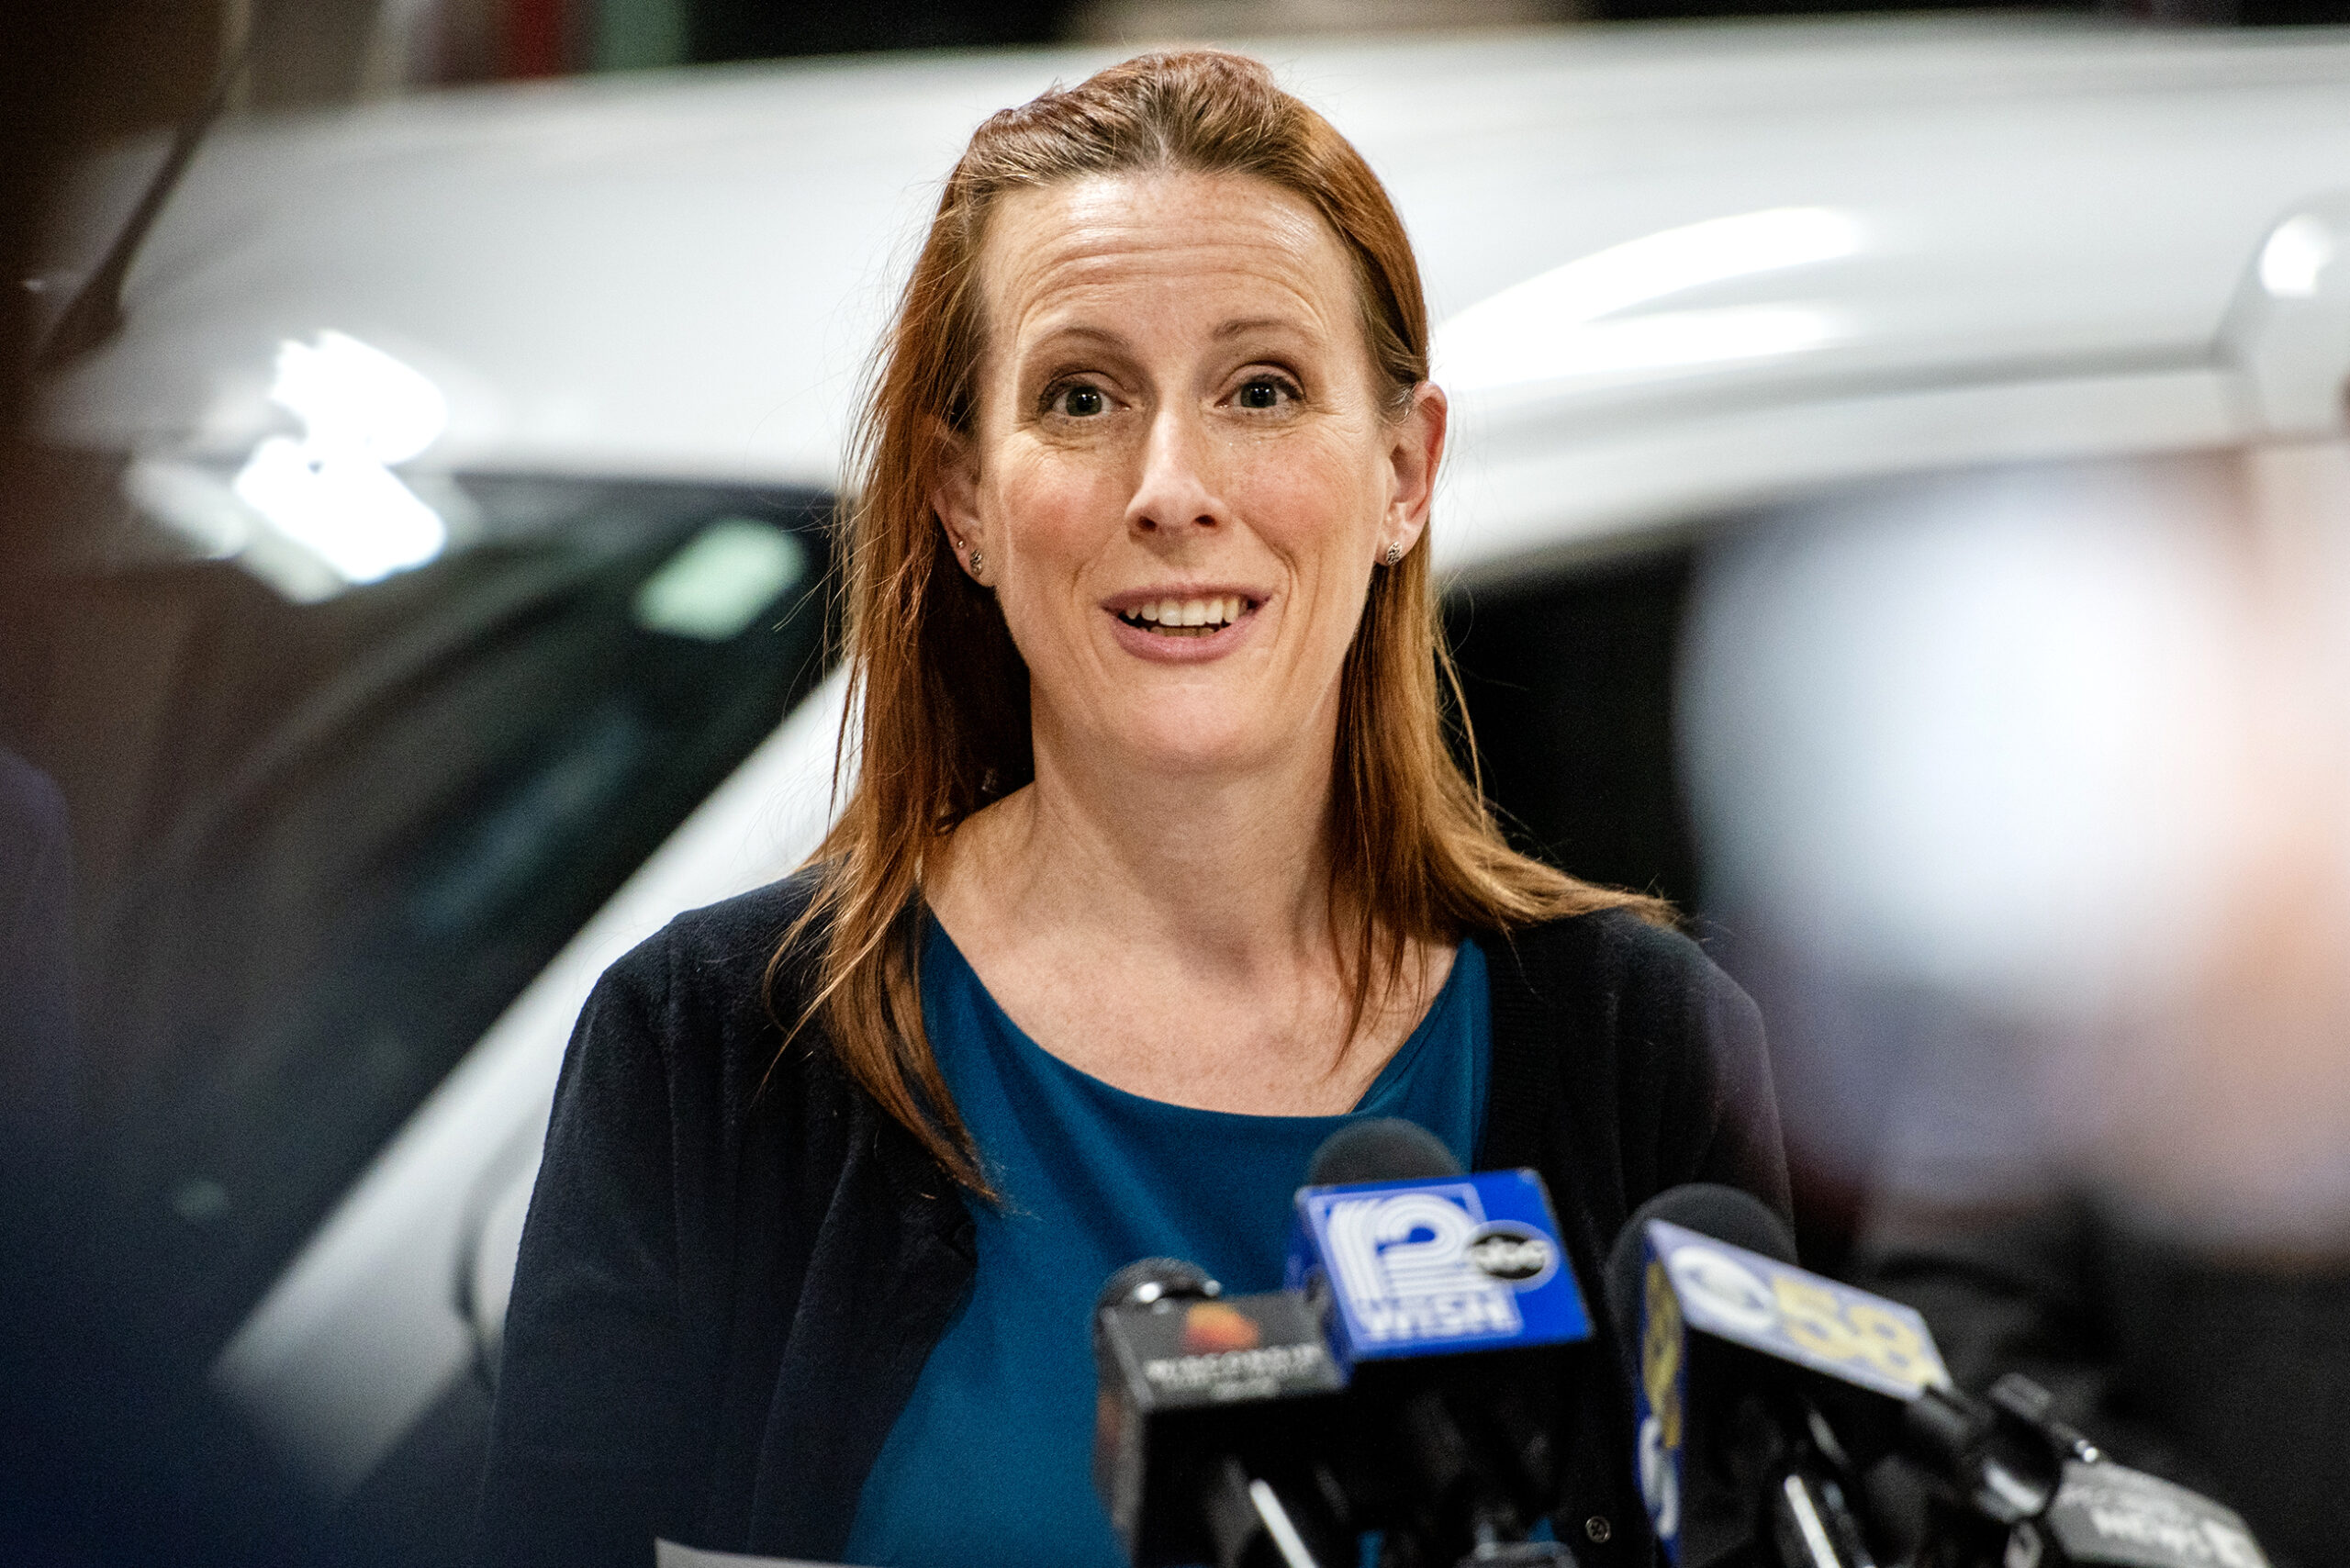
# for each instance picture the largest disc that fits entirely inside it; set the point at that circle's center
(990, 1461)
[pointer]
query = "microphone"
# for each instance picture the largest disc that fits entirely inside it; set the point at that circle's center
(1758, 1385)
(2107, 1516)
(1212, 1416)
(1763, 1391)
(1732, 1352)
(1448, 1300)
(1380, 1149)
(2103, 1514)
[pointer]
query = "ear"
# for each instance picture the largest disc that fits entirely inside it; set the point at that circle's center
(1416, 445)
(955, 497)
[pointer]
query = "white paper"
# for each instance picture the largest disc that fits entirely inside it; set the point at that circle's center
(669, 1554)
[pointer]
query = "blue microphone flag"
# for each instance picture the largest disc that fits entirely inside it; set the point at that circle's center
(1437, 1266)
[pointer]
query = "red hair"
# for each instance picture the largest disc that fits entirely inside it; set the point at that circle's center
(940, 694)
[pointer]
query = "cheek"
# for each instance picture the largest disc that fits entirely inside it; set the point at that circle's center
(1318, 503)
(1049, 516)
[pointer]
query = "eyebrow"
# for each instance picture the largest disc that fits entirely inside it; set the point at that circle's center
(1089, 334)
(1118, 343)
(1248, 324)
(1061, 339)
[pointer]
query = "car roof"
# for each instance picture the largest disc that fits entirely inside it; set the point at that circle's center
(682, 274)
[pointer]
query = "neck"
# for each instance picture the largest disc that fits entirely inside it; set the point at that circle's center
(1230, 866)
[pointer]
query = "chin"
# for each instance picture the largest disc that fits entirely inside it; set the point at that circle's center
(1177, 743)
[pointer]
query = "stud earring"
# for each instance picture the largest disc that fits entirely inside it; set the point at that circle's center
(1395, 552)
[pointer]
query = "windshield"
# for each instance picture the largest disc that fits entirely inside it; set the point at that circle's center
(324, 836)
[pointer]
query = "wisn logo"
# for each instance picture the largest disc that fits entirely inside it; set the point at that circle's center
(1435, 1266)
(1412, 1264)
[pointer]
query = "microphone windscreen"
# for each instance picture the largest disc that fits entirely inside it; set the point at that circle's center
(1139, 1284)
(1725, 1213)
(1380, 1148)
(1155, 1279)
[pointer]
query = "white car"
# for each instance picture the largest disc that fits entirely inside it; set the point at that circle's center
(485, 438)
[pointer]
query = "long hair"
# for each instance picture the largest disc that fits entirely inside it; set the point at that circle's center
(939, 694)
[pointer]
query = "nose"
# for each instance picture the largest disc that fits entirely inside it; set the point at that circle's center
(1175, 492)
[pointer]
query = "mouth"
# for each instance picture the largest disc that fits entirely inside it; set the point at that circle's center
(1188, 618)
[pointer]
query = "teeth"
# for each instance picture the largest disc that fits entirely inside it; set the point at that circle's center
(1222, 610)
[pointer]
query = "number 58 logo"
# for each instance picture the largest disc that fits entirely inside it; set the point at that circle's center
(1846, 1330)
(1756, 1301)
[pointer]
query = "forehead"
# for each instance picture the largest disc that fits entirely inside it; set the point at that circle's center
(1216, 242)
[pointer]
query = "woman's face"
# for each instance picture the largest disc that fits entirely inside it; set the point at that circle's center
(1183, 468)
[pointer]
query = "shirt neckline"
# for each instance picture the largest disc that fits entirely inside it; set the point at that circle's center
(1393, 1073)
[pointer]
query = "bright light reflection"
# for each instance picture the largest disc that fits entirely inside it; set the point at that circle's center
(1689, 337)
(1550, 327)
(2295, 255)
(332, 490)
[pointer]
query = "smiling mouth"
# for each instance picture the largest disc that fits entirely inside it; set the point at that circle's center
(1188, 617)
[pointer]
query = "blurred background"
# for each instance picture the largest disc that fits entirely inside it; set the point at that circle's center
(1898, 512)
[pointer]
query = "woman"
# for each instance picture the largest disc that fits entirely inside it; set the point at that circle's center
(1158, 868)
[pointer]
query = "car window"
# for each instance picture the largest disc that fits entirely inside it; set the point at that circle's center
(1569, 682)
(320, 845)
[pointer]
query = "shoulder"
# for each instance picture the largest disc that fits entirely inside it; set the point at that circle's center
(726, 942)
(664, 1201)
(713, 961)
(1627, 1032)
(691, 1008)
(1636, 973)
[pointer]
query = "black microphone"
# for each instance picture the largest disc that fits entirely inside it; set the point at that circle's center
(2102, 1514)
(1213, 1418)
(1449, 1301)
(1380, 1149)
(1736, 1462)
(2107, 1516)
(1763, 1391)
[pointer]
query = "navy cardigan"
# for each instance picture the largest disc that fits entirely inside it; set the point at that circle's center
(726, 1292)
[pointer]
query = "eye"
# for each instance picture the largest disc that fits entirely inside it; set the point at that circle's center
(1079, 399)
(1261, 392)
